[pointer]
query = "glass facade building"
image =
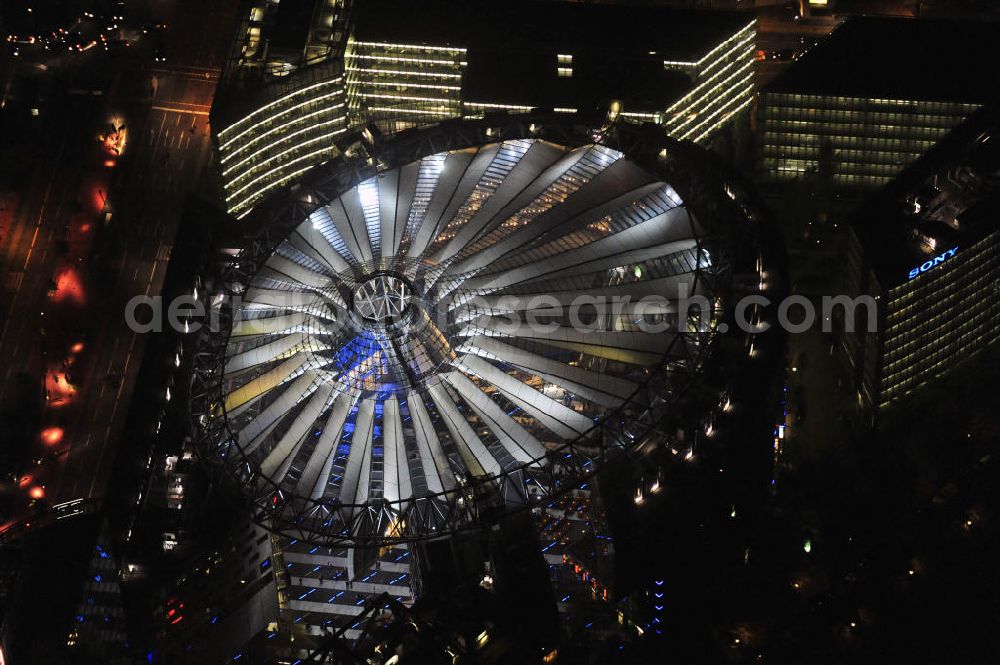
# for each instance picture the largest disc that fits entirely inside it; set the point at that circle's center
(939, 318)
(723, 87)
(927, 250)
(281, 139)
(866, 99)
(404, 83)
(416, 65)
(872, 140)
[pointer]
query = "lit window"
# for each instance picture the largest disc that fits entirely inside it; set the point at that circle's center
(564, 59)
(564, 72)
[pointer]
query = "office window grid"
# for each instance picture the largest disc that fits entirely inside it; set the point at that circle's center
(409, 83)
(936, 320)
(723, 87)
(279, 140)
(872, 139)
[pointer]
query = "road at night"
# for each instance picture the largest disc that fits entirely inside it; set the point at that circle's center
(167, 159)
(88, 356)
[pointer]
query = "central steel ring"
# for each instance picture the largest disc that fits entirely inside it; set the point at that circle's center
(383, 298)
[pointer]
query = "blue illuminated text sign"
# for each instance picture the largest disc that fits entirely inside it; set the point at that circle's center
(927, 265)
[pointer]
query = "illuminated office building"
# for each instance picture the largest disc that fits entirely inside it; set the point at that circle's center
(927, 247)
(403, 64)
(280, 140)
(869, 93)
(688, 70)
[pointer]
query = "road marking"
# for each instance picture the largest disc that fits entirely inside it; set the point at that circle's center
(34, 238)
(14, 280)
(38, 223)
(121, 386)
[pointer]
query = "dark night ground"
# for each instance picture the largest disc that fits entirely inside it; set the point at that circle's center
(921, 496)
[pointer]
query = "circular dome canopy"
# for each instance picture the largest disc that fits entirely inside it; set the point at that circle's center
(457, 333)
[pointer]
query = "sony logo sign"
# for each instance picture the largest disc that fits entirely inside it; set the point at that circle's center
(933, 262)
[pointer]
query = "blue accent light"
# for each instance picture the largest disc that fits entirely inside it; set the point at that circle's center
(930, 264)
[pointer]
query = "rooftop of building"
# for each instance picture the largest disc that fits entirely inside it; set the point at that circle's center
(617, 52)
(531, 79)
(563, 27)
(291, 24)
(948, 198)
(900, 58)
